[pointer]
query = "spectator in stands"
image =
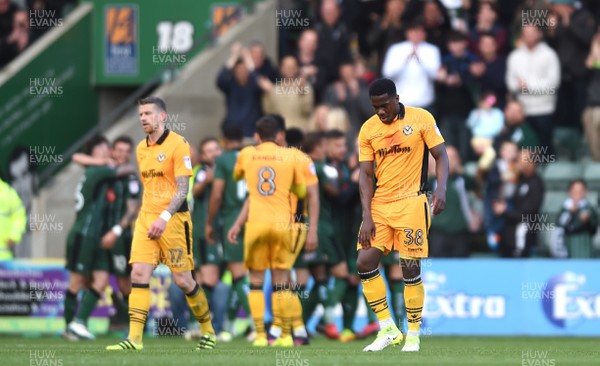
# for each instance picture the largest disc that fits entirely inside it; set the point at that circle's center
(437, 23)
(387, 30)
(363, 72)
(485, 123)
(591, 114)
(490, 70)
(500, 182)
(291, 96)
(487, 23)
(334, 40)
(533, 75)
(312, 68)
(522, 217)
(326, 118)
(13, 221)
(516, 128)
(238, 81)
(450, 230)
(17, 40)
(262, 64)
(579, 221)
(454, 99)
(571, 37)
(352, 94)
(413, 66)
(435, 20)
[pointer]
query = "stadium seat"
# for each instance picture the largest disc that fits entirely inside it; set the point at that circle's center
(552, 203)
(557, 175)
(591, 175)
(568, 143)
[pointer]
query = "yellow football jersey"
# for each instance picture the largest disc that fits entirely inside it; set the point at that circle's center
(271, 174)
(400, 151)
(159, 164)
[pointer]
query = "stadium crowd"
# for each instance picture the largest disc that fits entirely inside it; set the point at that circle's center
(499, 77)
(22, 22)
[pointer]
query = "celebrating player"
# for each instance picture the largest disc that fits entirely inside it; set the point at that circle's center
(163, 228)
(87, 254)
(398, 140)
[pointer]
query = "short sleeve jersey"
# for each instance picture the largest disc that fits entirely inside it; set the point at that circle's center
(159, 165)
(271, 173)
(400, 151)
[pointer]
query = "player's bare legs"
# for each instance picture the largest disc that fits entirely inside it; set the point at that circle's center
(414, 295)
(210, 277)
(374, 289)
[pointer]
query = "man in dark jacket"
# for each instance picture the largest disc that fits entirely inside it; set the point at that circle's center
(571, 38)
(522, 214)
(238, 81)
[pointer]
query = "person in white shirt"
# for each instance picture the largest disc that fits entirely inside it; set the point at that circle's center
(533, 76)
(413, 65)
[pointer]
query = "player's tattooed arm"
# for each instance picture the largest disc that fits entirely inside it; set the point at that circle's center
(180, 196)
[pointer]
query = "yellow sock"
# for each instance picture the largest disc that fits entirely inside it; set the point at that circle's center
(277, 326)
(139, 303)
(414, 295)
(286, 304)
(256, 301)
(296, 314)
(199, 306)
(375, 292)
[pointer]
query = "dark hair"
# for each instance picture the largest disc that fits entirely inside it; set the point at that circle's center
(280, 120)
(294, 137)
(206, 140)
(456, 36)
(154, 100)
(487, 34)
(382, 86)
(232, 133)
(334, 134)
(312, 140)
(124, 140)
(96, 140)
(575, 181)
(417, 22)
(267, 128)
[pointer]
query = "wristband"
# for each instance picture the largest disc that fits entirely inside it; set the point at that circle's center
(165, 215)
(117, 229)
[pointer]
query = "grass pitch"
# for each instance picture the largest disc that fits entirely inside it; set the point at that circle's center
(54, 351)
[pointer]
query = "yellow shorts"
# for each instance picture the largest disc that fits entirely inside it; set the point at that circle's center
(402, 225)
(268, 246)
(173, 248)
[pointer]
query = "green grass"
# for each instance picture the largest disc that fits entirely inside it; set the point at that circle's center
(434, 351)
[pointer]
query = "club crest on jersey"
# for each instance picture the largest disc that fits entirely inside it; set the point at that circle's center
(160, 157)
(407, 130)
